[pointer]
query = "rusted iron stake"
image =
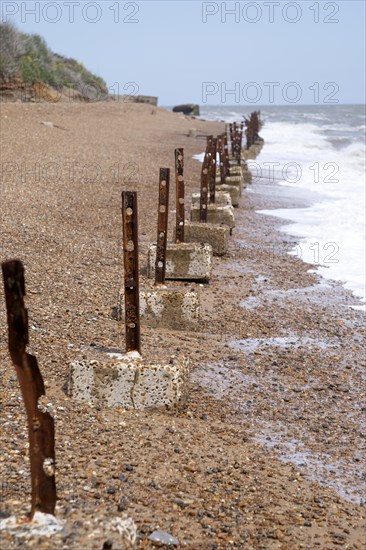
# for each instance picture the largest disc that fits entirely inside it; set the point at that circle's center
(204, 187)
(131, 265)
(212, 171)
(220, 150)
(179, 189)
(238, 145)
(226, 157)
(160, 263)
(41, 430)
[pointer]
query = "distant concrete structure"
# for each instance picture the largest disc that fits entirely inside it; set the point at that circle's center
(149, 99)
(187, 109)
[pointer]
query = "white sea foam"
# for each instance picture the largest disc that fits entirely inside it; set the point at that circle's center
(320, 152)
(332, 230)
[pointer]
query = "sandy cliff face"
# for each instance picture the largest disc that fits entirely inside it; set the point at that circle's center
(16, 90)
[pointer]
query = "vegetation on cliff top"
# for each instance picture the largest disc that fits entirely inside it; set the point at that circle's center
(27, 57)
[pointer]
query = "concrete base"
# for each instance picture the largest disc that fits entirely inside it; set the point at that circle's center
(184, 261)
(253, 151)
(221, 215)
(222, 198)
(235, 180)
(174, 309)
(233, 190)
(126, 380)
(244, 171)
(160, 306)
(215, 235)
(250, 154)
(232, 180)
(236, 170)
(247, 177)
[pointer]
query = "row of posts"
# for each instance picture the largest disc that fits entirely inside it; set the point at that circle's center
(253, 125)
(41, 424)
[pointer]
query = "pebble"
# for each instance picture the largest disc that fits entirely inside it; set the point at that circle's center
(166, 442)
(161, 538)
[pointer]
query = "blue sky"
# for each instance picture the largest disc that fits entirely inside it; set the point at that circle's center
(265, 53)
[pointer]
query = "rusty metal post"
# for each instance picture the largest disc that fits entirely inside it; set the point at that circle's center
(247, 131)
(212, 171)
(220, 150)
(241, 135)
(204, 187)
(238, 144)
(163, 211)
(131, 265)
(41, 430)
(179, 189)
(250, 131)
(226, 157)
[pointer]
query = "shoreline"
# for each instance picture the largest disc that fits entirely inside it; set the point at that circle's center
(207, 475)
(306, 202)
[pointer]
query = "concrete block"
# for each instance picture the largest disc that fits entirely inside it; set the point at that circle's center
(168, 308)
(253, 151)
(237, 180)
(184, 261)
(160, 306)
(234, 180)
(236, 170)
(222, 198)
(126, 380)
(249, 154)
(233, 190)
(215, 235)
(247, 176)
(221, 215)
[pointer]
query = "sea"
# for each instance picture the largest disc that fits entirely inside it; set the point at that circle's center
(319, 152)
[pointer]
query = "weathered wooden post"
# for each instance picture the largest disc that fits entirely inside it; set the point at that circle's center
(179, 190)
(163, 211)
(131, 265)
(41, 431)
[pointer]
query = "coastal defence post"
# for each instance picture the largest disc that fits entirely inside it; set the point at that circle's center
(41, 430)
(201, 230)
(185, 261)
(211, 206)
(176, 308)
(110, 378)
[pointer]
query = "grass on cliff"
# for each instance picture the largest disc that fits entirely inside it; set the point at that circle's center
(27, 57)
